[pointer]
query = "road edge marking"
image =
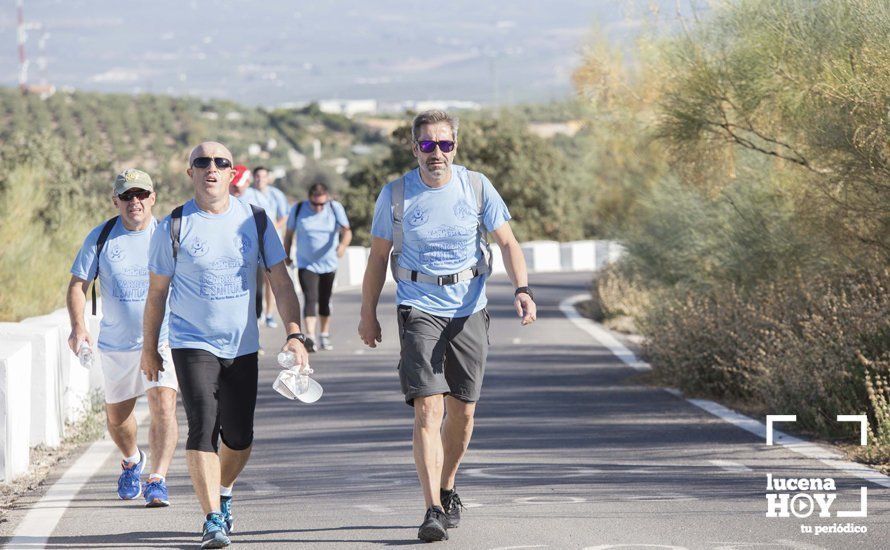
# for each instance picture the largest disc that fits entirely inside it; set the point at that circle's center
(38, 524)
(815, 451)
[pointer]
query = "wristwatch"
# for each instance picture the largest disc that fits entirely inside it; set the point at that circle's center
(297, 336)
(526, 290)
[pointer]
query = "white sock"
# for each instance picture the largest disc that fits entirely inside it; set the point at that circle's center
(157, 477)
(135, 458)
(325, 334)
(225, 491)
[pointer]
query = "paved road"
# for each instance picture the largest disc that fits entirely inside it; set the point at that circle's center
(569, 452)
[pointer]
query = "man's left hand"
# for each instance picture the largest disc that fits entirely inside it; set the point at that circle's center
(341, 250)
(525, 308)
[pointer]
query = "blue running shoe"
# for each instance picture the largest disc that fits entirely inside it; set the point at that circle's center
(128, 484)
(155, 493)
(215, 535)
(226, 505)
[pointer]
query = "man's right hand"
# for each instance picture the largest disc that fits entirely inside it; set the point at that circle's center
(369, 331)
(151, 363)
(78, 335)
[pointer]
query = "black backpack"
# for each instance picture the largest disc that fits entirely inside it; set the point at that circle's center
(259, 218)
(103, 236)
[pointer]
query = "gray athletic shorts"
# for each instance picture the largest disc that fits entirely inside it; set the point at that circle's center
(442, 355)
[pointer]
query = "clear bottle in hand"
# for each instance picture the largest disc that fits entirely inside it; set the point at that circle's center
(85, 354)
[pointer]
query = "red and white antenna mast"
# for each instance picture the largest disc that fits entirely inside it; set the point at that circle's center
(23, 61)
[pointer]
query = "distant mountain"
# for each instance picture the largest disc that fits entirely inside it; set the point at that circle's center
(279, 51)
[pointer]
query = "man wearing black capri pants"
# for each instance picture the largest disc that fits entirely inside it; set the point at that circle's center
(323, 234)
(209, 249)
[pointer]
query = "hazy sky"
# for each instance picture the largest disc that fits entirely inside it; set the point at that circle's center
(278, 51)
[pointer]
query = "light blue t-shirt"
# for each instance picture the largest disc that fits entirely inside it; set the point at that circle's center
(123, 283)
(272, 200)
(440, 238)
(213, 287)
(318, 235)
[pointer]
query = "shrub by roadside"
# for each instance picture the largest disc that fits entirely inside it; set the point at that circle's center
(814, 346)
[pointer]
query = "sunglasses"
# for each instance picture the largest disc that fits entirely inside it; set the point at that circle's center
(428, 146)
(127, 196)
(204, 162)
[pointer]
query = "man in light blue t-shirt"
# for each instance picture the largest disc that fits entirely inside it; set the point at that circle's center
(206, 255)
(434, 220)
(323, 233)
(122, 264)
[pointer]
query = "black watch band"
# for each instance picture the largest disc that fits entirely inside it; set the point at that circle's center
(526, 290)
(298, 336)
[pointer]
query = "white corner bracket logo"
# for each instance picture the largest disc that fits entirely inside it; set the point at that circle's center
(804, 496)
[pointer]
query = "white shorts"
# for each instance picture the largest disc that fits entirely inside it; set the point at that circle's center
(125, 380)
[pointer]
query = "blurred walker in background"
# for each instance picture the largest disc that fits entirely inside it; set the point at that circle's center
(323, 233)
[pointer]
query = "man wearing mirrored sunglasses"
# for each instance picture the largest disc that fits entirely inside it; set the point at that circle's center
(209, 249)
(122, 263)
(434, 220)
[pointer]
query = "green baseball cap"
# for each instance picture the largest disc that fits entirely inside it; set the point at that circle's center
(130, 178)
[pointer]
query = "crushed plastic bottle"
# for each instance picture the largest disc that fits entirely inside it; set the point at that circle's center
(85, 355)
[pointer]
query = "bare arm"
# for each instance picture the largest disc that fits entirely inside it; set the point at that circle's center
(372, 286)
(288, 241)
(514, 262)
(76, 300)
(345, 239)
(280, 222)
(152, 319)
(288, 309)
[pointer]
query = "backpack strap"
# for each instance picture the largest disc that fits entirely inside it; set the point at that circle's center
(484, 264)
(261, 221)
(397, 197)
(100, 243)
(297, 213)
(175, 228)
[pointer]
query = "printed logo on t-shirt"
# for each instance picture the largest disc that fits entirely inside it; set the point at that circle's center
(243, 244)
(131, 284)
(116, 253)
(418, 216)
(463, 211)
(224, 279)
(445, 245)
(198, 247)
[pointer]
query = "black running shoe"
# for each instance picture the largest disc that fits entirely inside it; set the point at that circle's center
(452, 505)
(309, 344)
(433, 526)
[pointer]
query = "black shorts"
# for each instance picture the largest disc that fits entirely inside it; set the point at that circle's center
(442, 355)
(219, 398)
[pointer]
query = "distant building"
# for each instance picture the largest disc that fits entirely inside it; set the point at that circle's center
(348, 107)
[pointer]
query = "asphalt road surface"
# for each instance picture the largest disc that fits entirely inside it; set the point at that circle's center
(569, 451)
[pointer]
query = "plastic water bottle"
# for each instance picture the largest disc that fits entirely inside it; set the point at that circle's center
(85, 354)
(294, 381)
(287, 359)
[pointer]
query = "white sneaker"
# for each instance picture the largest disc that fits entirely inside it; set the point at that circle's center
(270, 322)
(324, 342)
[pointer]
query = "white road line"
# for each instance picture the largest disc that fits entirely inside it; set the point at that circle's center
(599, 334)
(825, 455)
(730, 466)
(43, 517)
(375, 508)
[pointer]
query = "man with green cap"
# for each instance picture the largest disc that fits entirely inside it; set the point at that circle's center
(116, 253)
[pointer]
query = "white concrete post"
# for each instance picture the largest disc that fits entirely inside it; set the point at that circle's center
(15, 413)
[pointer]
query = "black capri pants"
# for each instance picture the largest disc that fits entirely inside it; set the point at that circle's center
(219, 398)
(317, 288)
